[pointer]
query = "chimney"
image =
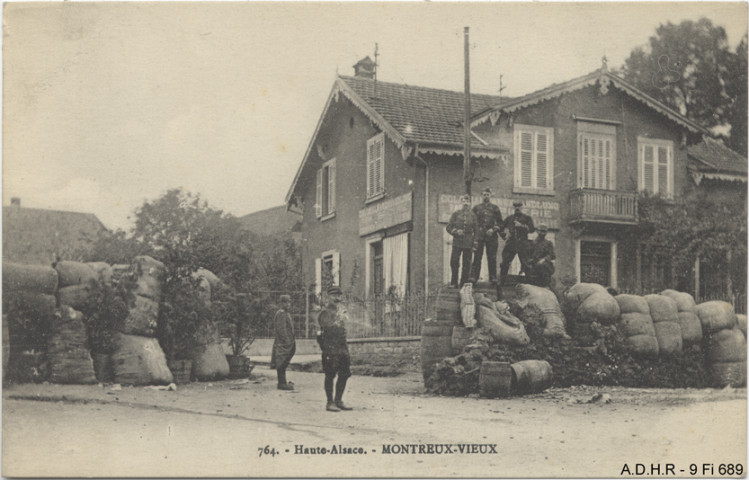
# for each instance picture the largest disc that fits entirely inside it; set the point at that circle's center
(365, 68)
(15, 202)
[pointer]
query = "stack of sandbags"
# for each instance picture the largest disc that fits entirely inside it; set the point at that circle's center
(104, 273)
(149, 274)
(665, 317)
(496, 318)
(139, 361)
(540, 306)
(588, 303)
(78, 284)
(576, 295)
(691, 328)
(636, 325)
(467, 306)
(741, 323)
(208, 283)
(725, 345)
(67, 352)
(29, 303)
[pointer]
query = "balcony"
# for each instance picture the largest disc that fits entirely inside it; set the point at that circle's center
(603, 206)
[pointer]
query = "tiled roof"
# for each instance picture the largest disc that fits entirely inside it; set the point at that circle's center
(33, 235)
(712, 156)
(421, 115)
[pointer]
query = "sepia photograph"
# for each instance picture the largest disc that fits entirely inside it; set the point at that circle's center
(374, 239)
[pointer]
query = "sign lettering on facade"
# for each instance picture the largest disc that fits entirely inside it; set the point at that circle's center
(541, 211)
(384, 214)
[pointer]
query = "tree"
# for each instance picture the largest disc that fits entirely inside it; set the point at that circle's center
(737, 92)
(690, 68)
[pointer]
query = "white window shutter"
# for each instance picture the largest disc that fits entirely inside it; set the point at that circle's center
(337, 268)
(526, 159)
(381, 164)
(542, 156)
(331, 188)
(318, 195)
(370, 167)
(318, 276)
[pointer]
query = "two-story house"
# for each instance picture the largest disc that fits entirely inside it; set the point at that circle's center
(384, 170)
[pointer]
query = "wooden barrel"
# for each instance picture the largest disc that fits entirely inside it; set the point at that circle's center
(448, 307)
(495, 379)
(436, 344)
(531, 376)
(461, 337)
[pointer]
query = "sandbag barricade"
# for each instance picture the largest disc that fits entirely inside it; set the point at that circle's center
(691, 328)
(467, 306)
(149, 274)
(142, 317)
(503, 326)
(665, 317)
(139, 361)
(726, 354)
(104, 273)
(29, 315)
(74, 273)
(716, 315)
(636, 325)
(741, 323)
(209, 362)
(590, 303)
(577, 294)
(30, 278)
(67, 350)
(540, 306)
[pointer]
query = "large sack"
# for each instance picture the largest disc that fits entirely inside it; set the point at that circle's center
(139, 361)
(733, 374)
(33, 305)
(208, 275)
(691, 328)
(632, 324)
(741, 323)
(716, 315)
(536, 301)
(209, 362)
(67, 350)
(643, 345)
(726, 346)
(467, 306)
(669, 338)
(149, 275)
(510, 333)
(79, 297)
(632, 304)
(74, 273)
(142, 317)
(600, 307)
(579, 292)
(684, 301)
(103, 272)
(662, 309)
(33, 278)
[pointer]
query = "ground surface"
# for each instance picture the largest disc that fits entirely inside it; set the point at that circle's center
(216, 429)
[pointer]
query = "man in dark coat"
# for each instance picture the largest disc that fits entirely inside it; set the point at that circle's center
(335, 354)
(542, 263)
(284, 345)
(462, 227)
(489, 220)
(519, 226)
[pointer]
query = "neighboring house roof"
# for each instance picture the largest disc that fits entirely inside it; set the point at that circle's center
(605, 79)
(429, 119)
(713, 160)
(38, 236)
(272, 221)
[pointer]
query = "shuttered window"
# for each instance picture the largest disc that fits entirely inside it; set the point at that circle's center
(534, 162)
(325, 195)
(597, 155)
(656, 166)
(376, 165)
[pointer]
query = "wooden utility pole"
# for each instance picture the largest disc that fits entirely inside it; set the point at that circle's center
(467, 176)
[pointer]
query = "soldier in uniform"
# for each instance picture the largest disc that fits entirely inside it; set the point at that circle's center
(462, 227)
(542, 264)
(519, 226)
(489, 220)
(335, 354)
(284, 346)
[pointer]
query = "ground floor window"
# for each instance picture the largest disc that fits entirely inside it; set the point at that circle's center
(597, 261)
(327, 270)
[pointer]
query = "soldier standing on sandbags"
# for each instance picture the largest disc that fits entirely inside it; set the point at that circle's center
(542, 263)
(335, 355)
(519, 225)
(489, 220)
(284, 345)
(462, 227)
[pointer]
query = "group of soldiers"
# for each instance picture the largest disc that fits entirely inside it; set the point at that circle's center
(476, 229)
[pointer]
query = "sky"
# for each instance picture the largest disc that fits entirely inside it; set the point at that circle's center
(107, 105)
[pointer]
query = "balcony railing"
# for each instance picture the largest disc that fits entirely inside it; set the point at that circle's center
(607, 206)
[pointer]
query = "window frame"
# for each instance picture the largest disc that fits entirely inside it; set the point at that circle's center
(376, 191)
(535, 130)
(325, 192)
(596, 132)
(655, 143)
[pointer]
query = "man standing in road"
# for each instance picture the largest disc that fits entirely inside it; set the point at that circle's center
(284, 346)
(335, 355)
(489, 220)
(542, 263)
(519, 225)
(462, 227)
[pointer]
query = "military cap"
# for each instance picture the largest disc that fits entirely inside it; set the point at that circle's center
(487, 190)
(542, 228)
(334, 290)
(284, 298)
(465, 197)
(517, 203)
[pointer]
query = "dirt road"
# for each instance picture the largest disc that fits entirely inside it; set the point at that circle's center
(220, 429)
